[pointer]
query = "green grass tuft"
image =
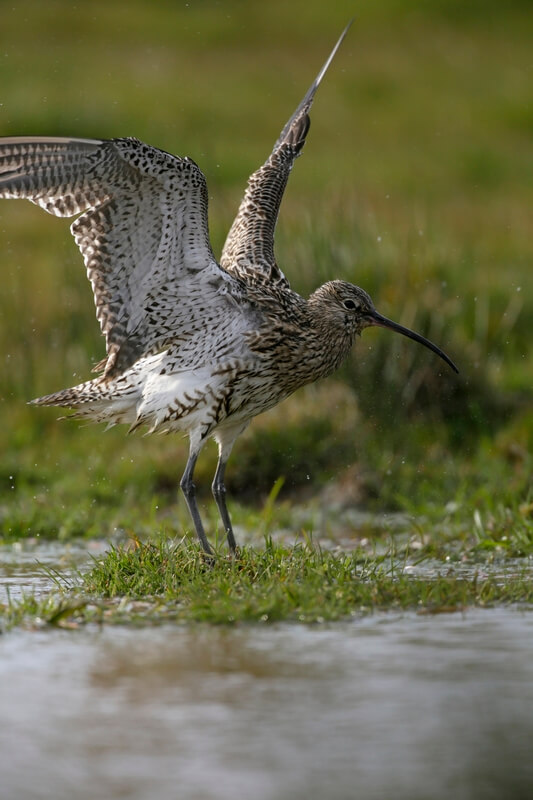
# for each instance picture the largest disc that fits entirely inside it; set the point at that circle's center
(155, 583)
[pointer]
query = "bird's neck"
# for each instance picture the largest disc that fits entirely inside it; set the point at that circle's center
(333, 340)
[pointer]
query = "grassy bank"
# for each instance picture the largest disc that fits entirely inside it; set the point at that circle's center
(157, 583)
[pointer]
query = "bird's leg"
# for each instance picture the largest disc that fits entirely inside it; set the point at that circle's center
(219, 493)
(189, 491)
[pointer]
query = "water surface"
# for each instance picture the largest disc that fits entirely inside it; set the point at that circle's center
(388, 706)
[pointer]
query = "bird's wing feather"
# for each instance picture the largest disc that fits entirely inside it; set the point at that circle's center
(143, 232)
(249, 248)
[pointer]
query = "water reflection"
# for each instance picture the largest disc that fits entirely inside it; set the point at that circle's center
(410, 707)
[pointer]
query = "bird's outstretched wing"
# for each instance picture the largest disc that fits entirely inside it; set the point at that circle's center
(143, 232)
(249, 248)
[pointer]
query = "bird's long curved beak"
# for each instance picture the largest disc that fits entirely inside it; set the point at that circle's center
(375, 318)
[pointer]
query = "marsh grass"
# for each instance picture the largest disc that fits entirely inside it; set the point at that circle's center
(147, 583)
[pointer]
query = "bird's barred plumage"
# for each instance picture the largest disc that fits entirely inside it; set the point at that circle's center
(191, 344)
(143, 235)
(249, 246)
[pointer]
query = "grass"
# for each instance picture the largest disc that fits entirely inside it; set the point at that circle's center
(151, 583)
(416, 183)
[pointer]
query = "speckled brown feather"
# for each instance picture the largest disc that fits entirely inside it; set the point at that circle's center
(249, 248)
(143, 233)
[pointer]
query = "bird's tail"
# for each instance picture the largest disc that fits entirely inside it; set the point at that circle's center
(88, 392)
(100, 400)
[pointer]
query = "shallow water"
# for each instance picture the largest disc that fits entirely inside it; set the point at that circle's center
(410, 707)
(401, 706)
(30, 567)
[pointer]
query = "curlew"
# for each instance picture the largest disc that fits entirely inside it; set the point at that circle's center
(193, 345)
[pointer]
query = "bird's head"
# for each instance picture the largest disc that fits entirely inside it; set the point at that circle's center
(350, 308)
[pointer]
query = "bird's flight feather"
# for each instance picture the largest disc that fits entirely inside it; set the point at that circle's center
(143, 233)
(249, 248)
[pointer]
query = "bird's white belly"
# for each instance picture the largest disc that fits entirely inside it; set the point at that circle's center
(179, 401)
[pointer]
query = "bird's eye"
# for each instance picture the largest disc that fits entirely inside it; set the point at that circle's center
(350, 305)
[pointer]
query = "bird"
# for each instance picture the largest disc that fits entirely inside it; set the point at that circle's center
(193, 345)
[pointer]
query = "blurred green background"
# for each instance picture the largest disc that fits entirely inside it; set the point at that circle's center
(416, 183)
